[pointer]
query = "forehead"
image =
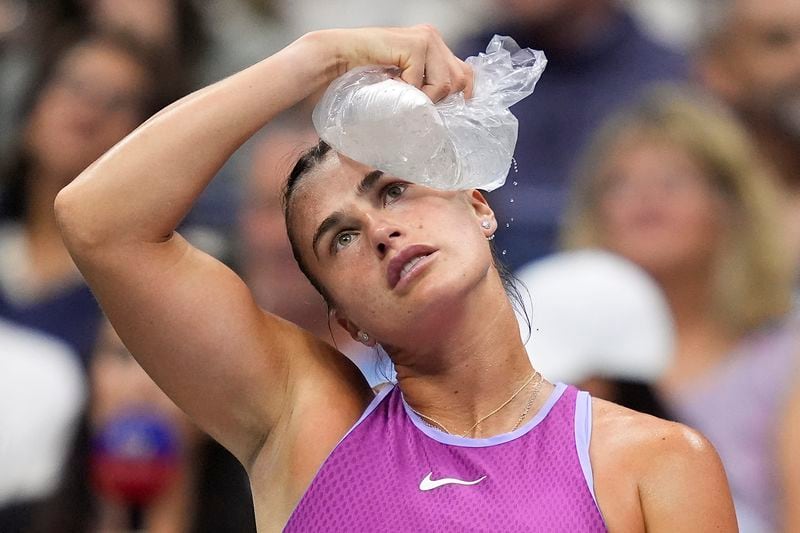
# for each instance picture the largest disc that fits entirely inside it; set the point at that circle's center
(329, 187)
(764, 13)
(97, 55)
(651, 145)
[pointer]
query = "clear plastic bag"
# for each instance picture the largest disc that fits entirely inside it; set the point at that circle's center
(370, 116)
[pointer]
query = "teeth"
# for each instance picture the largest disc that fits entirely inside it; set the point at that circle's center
(408, 266)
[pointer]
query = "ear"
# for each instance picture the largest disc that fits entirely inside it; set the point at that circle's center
(351, 328)
(483, 212)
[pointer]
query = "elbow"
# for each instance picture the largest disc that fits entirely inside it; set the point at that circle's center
(74, 220)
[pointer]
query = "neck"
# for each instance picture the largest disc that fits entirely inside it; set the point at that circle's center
(40, 217)
(476, 362)
(688, 294)
(51, 264)
(782, 149)
(701, 339)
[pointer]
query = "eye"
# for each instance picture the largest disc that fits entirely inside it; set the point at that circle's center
(393, 191)
(777, 38)
(343, 240)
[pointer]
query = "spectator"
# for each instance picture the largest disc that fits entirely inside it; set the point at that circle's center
(175, 28)
(750, 57)
(267, 263)
(196, 487)
(675, 185)
(90, 94)
(598, 61)
(26, 28)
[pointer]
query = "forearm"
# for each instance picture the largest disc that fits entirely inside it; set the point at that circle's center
(141, 189)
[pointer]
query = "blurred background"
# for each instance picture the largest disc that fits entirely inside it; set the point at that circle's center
(653, 215)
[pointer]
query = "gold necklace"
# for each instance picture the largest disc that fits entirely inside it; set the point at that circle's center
(426, 418)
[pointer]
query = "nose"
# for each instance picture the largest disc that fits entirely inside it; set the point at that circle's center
(384, 236)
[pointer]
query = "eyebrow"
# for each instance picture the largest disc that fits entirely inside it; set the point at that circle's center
(369, 181)
(332, 220)
(329, 223)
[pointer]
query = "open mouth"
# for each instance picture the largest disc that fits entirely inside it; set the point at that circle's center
(407, 262)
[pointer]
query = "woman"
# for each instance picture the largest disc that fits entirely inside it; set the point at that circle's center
(674, 184)
(92, 91)
(401, 265)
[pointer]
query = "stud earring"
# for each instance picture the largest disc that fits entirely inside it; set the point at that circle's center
(485, 224)
(363, 337)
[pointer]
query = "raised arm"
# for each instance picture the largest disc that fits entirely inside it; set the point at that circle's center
(189, 321)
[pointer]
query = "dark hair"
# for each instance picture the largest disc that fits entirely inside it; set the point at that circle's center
(307, 161)
(311, 158)
(13, 187)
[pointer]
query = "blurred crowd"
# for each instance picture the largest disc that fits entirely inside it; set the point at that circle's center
(653, 211)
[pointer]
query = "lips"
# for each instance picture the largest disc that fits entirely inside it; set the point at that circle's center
(405, 261)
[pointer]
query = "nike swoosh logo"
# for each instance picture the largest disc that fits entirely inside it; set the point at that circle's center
(429, 484)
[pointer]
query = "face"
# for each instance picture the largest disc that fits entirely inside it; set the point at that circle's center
(395, 257)
(154, 21)
(268, 264)
(538, 12)
(94, 99)
(658, 208)
(762, 56)
(118, 383)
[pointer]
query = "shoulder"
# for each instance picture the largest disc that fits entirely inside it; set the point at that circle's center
(664, 472)
(619, 429)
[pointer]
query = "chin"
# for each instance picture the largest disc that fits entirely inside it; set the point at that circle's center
(443, 295)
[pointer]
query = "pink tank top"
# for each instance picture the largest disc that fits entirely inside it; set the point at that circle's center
(391, 472)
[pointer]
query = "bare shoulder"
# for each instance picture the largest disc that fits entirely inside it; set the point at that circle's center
(617, 429)
(655, 472)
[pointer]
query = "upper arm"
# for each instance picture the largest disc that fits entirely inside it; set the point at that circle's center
(684, 486)
(193, 325)
(789, 463)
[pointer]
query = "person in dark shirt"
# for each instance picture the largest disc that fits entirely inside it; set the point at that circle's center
(598, 60)
(750, 57)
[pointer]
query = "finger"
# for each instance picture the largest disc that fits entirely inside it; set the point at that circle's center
(458, 77)
(469, 74)
(438, 81)
(437, 85)
(462, 76)
(414, 71)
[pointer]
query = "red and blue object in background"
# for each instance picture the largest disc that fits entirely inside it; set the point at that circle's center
(135, 457)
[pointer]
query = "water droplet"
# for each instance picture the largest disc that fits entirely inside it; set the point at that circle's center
(512, 200)
(512, 219)
(516, 168)
(504, 252)
(508, 225)
(514, 183)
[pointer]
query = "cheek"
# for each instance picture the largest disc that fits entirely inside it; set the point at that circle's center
(768, 73)
(354, 276)
(110, 130)
(42, 126)
(702, 226)
(122, 123)
(683, 230)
